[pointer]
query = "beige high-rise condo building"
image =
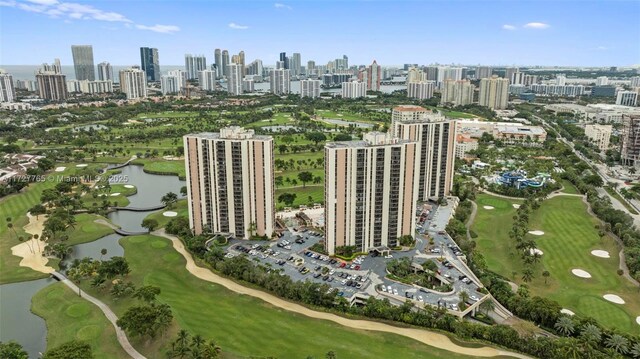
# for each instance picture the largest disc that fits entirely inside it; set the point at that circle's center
(52, 86)
(133, 82)
(435, 135)
(599, 135)
(457, 93)
(494, 93)
(230, 182)
(371, 189)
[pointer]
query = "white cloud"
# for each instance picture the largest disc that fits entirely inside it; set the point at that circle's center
(163, 29)
(537, 25)
(233, 25)
(282, 6)
(602, 48)
(75, 11)
(508, 27)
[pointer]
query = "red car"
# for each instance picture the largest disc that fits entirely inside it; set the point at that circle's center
(343, 264)
(357, 268)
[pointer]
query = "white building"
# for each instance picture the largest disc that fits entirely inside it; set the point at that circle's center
(635, 81)
(421, 90)
(182, 75)
(234, 80)
(280, 81)
(193, 64)
(483, 72)
(133, 82)
(599, 135)
(561, 80)
(354, 89)
(90, 87)
(230, 182)
(7, 91)
(464, 144)
(457, 93)
(494, 93)
(371, 189)
(207, 79)
(602, 81)
(170, 84)
(449, 73)
(105, 71)
(310, 88)
(627, 98)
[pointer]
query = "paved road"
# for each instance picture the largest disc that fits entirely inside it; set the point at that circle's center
(111, 316)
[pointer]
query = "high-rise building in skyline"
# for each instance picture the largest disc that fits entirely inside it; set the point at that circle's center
(483, 72)
(181, 75)
(630, 140)
(627, 98)
(509, 71)
(296, 64)
(354, 89)
(105, 71)
(634, 81)
(7, 90)
(150, 63)
(285, 60)
(371, 189)
(561, 80)
(255, 68)
(435, 135)
(457, 93)
(207, 80)
(310, 88)
(494, 93)
(90, 87)
(52, 86)
(54, 67)
(372, 75)
(230, 183)
(599, 135)
(234, 80)
(448, 73)
(217, 61)
(521, 78)
(133, 82)
(311, 68)
(83, 62)
(193, 64)
(225, 62)
(432, 73)
(280, 81)
(169, 84)
(248, 85)
(421, 90)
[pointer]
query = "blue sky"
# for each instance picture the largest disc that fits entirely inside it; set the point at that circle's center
(508, 32)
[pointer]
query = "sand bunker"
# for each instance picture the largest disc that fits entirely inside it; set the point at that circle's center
(129, 186)
(60, 169)
(82, 165)
(536, 233)
(567, 311)
(115, 194)
(600, 253)
(515, 205)
(613, 298)
(31, 250)
(533, 251)
(170, 214)
(488, 207)
(581, 273)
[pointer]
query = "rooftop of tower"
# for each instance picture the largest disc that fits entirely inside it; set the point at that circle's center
(370, 139)
(230, 133)
(409, 108)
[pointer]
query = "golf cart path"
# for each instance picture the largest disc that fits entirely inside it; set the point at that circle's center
(111, 316)
(433, 339)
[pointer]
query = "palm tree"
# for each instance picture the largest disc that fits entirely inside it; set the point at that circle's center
(618, 343)
(487, 306)
(546, 276)
(10, 226)
(197, 341)
(635, 350)
(210, 350)
(591, 334)
(527, 275)
(564, 326)
(464, 296)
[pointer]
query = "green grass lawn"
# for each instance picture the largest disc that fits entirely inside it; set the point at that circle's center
(121, 199)
(16, 207)
(180, 207)
(243, 325)
(160, 166)
(492, 227)
(569, 238)
(86, 230)
(569, 187)
(69, 317)
(302, 195)
(166, 114)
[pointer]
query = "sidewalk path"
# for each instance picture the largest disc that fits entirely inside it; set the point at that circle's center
(111, 316)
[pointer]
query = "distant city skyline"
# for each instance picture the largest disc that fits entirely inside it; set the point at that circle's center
(488, 32)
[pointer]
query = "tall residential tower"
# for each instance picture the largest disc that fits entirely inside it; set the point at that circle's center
(83, 62)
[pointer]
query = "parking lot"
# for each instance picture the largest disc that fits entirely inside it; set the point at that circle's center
(367, 274)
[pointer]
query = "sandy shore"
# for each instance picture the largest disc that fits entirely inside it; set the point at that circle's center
(33, 260)
(433, 339)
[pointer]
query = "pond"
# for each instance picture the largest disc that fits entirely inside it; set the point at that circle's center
(18, 323)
